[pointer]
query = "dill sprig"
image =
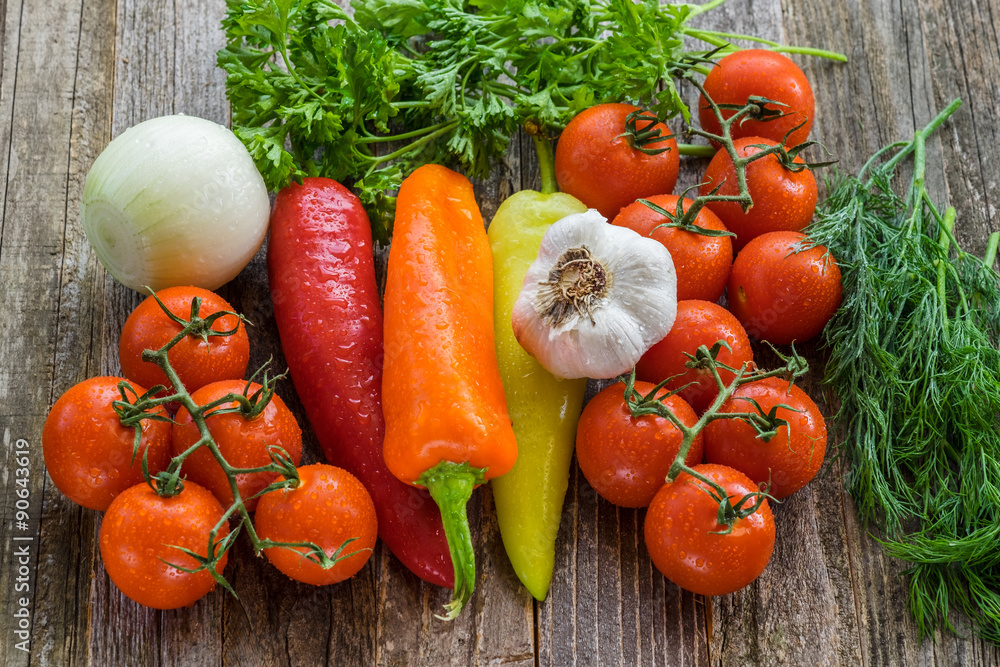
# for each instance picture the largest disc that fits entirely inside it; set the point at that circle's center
(914, 359)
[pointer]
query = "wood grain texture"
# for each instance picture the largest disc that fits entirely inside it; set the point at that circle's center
(55, 110)
(908, 60)
(801, 610)
(67, 530)
(73, 74)
(148, 83)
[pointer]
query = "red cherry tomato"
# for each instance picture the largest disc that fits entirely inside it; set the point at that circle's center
(138, 539)
(196, 361)
(88, 453)
(783, 200)
(780, 295)
(702, 262)
(764, 74)
(697, 323)
(243, 442)
(626, 459)
(604, 169)
(789, 459)
(328, 507)
(682, 534)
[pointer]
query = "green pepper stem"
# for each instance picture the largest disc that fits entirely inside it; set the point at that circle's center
(546, 162)
(450, 485)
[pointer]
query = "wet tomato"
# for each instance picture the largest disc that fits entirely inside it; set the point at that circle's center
(697, 323)
(139, 536)
(243, 442)
(783, 200)
(780, 295)
(598, 162)
(88, 453)
(197, 362)
(682, 534)
(702, 262)
(626, 459)
(764, 74)
(790, 458)
(328, 507)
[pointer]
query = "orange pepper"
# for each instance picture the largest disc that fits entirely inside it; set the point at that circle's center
(446, 422)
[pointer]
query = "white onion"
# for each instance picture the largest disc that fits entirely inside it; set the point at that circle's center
(596, 298)
(175, 200)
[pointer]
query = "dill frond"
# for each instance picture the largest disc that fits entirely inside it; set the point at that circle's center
(914, 359)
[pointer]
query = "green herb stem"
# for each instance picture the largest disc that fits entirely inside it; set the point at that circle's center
(414, 146)
(809, 51)
(931, 127)
(944, 240)
(405, 135)
(705, 7)
(991, 249)
(718, 38)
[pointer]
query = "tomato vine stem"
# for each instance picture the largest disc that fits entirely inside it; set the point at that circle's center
(169, 482)
(766, 424)
(756, 108)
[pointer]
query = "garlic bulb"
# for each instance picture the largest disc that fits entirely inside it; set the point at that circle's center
(596, 299)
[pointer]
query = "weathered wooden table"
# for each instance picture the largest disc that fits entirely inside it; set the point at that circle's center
(75, 73)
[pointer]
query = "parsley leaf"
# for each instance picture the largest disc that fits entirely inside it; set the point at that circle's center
(366, 98)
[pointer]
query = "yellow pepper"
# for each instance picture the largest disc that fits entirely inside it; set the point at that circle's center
(544, 411)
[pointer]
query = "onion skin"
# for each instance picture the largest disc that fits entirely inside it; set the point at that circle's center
(175, 200)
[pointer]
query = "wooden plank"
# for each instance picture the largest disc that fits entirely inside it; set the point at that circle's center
(163, 64)
(198, 36)
(277, 621)
(766, 623)
(905, 65)
(608, 604)
(801, 610)
(497, 624)
(10, 651)
(964, 61)
(503, 607)
(69, 533)
(45, 286)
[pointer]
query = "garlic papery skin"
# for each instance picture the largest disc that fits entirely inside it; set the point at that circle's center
(596, 298)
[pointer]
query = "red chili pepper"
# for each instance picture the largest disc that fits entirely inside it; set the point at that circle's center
(326, 304)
